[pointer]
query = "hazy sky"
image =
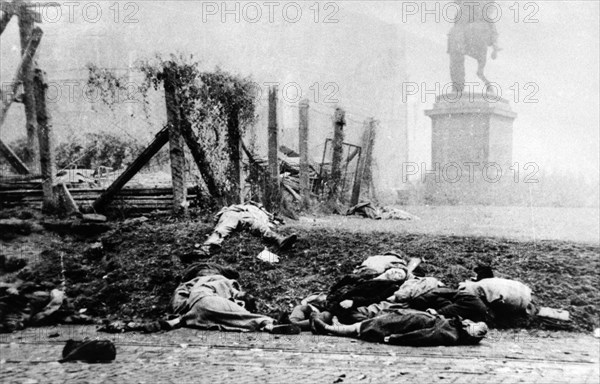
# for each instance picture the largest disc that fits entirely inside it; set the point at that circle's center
(559, 54)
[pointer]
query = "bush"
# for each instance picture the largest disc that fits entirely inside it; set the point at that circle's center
(97, 149)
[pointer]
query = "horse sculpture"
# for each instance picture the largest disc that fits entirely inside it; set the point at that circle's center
(471, 38)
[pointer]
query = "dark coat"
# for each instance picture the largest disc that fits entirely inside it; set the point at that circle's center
(414, 328)
(451, 303)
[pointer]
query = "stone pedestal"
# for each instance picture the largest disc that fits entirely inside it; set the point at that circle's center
(471, 128)
(471, 150)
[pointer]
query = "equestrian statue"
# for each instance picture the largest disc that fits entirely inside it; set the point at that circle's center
(471, 35)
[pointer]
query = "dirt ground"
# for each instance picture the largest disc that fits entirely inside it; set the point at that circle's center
(140, 266)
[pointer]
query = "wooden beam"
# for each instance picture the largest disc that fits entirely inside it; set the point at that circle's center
(27, 58)
(46, 139)
(303, 149)
(159, 141)
(235, 157)
(339, 121)
(358, 179)
(201, 160)
(13, 159)
(176, 143)
(273, 195)
(273, 131)
(31, 155)
(21, 178)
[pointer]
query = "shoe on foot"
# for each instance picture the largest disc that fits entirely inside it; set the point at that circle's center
(318, 326)
(285, 329)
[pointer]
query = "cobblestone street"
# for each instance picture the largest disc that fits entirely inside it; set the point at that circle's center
(211, 357)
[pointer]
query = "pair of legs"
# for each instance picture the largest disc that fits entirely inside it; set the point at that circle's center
(301, 316)
(232, 220)
(408, 327)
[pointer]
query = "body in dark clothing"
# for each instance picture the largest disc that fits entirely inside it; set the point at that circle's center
(362, 293)
(416, 328)
(451, 303)
(407, 327)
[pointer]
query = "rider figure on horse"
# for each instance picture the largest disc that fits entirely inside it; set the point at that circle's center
(472, 33)
(474, 12)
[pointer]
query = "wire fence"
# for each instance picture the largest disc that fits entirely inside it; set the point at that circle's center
(86, 120)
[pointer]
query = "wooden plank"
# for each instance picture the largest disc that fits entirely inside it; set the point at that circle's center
(303, 148)
(18, 178)
(273, 195)
(13, 159)
(26, 30)
(339, 121)
(367, 127)
(46, 140)
(159, 141)
(201, 160)
(176, 142)
(273, 131)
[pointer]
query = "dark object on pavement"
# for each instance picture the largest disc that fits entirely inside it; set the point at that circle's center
(91, 351)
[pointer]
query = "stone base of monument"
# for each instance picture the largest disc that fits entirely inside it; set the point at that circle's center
(471, 133)
(471, 127)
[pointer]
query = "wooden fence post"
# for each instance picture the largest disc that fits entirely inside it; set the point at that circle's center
(368, 144)
(176, 144)
(234, 140)
(339, 120)
(303, 149)
(46, 140)
(367, 152)
(26, 26)
(273, 193)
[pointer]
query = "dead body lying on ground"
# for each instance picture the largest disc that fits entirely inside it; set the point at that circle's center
(368, 210)
(24, 304)
(429, 312)
(408, 327)
(211, 298)
(252, 217)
